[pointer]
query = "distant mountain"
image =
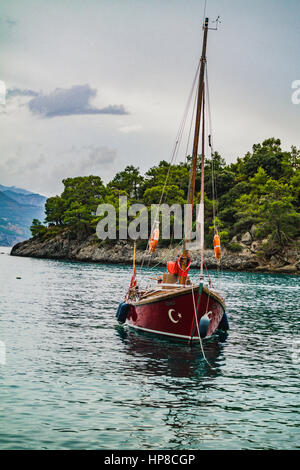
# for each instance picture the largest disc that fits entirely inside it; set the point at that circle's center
(14, 189)
(18, 207)
(31, 199)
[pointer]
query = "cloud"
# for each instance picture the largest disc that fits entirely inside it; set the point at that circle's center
(2, 92)
(12, 92)
(20, 166)
(129, 129)
(68, 102)
(102, 155)
(8, 22)
(97, 157)
(44, 174)
(77, 161)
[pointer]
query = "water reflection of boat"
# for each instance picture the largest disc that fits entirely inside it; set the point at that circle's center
(160, 356)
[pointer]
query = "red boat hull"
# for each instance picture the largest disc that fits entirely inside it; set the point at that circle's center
(174, 314)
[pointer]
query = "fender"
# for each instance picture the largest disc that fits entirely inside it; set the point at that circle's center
(122, 312)
(204, 324)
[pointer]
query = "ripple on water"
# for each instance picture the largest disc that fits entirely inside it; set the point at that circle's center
(74, 379)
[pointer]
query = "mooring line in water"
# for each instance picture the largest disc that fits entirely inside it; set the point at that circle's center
(199, 335)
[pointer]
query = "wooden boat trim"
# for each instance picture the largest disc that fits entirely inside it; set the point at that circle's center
(176, 293)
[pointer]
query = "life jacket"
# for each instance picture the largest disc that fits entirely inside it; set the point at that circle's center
(181, 272)
(172, 267)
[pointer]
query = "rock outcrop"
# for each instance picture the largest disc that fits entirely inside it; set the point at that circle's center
(64, 246)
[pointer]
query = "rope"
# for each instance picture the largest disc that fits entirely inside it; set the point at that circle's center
(200, 339)
(209, 278)
(213, 175)
(173, 158)
(192, 119)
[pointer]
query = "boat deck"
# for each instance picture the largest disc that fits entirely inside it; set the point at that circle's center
(166, 291)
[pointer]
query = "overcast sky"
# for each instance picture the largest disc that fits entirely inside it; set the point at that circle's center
(95, 85)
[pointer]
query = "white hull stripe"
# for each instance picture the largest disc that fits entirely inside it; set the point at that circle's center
(174, 335)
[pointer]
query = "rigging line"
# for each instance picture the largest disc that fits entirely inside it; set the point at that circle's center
(190, 131)
(213, 175)
(173, 155)
(214, 182)
(160, 202)
(152, 227)
(181, 129)
(192, 116)
(178, 244)
(187, 109)
(162, 261)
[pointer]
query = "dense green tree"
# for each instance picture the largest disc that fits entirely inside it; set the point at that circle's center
(129, 181)
(227, 200)
(54, 209)
(171, 195)
(87, 190)
(295, 187)
(81, 197)
(267, 155)
(177, 175)
(37, 228)
(270, 206)
(261, 188)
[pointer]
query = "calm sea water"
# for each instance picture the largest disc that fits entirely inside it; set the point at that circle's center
(74, 379)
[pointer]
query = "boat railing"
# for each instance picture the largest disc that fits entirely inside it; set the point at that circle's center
(164, 285)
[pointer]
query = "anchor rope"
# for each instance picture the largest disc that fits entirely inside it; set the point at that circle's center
(199, 335)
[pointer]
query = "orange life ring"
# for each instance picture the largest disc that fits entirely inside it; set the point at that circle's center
(217, 247)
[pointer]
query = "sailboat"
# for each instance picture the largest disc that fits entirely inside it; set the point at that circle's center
(175, 307)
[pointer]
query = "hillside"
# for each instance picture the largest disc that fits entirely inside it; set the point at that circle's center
(30, 199)
(18, 208)
(253, 205)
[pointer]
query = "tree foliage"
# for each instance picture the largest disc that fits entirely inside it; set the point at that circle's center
(261, 188)
(37, 228)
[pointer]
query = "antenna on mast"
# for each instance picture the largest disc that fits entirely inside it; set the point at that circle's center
(217, 21)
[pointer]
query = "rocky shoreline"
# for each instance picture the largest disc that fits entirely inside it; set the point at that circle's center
(64, 246)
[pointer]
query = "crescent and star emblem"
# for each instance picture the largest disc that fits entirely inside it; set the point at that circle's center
(179, 316)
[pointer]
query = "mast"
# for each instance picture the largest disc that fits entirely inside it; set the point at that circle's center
(198, 117)
(191, 193)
